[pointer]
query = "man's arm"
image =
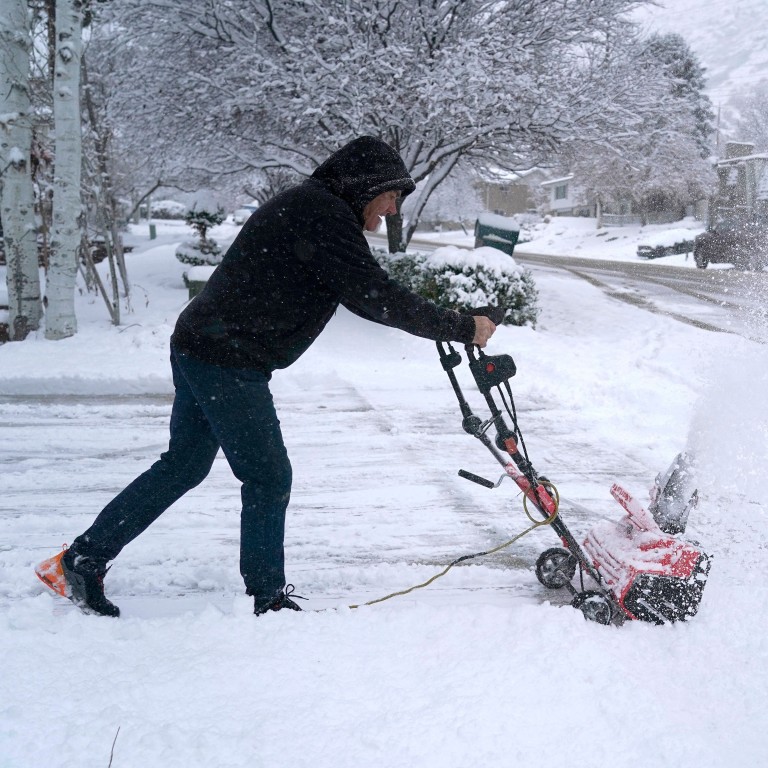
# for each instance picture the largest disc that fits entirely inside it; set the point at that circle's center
(484, 326)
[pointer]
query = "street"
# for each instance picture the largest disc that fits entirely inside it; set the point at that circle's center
(720, 300)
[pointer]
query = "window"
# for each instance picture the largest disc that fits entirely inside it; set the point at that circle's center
(561, 191)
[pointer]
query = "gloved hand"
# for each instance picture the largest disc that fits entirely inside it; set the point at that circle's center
(486, 320)
(484, 329)
(494, 314)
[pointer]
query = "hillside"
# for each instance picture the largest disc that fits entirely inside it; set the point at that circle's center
(730, 37)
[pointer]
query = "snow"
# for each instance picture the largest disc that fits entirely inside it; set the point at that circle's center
(509, 223)
(6, 118)
(483, 666)
(15, 156)
(169, 209)
(489, 259)
(728, 36)
(200, 274)
(580, 237)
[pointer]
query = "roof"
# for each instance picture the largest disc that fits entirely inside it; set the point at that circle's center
(499, 175)
(736, 160)
(561, 180)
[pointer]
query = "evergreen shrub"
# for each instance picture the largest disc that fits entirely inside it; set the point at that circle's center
(205, 250)
(462, 280)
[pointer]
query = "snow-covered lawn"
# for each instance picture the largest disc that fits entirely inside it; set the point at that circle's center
(578, 236)
(483, 667)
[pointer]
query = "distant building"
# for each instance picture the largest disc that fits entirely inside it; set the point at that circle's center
(506, 193)
(742, 184)
(566, 198)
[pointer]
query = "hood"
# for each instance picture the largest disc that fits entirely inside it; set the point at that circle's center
(363, 169)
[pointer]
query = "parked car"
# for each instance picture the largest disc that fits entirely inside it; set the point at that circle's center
(741, 243)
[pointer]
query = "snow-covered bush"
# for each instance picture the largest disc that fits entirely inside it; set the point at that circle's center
(529, 223)
(168, 209)
(205, 250)
(191, 252)
(461, 279)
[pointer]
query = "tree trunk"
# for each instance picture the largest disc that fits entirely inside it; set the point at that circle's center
(395, 241)
(67, 210)
(106, 202)
(22, 275)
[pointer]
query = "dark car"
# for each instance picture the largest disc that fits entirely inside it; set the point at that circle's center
(741, 243)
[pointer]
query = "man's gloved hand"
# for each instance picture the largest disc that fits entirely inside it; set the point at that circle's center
(494, 314)
(484, 329)
(486, 320)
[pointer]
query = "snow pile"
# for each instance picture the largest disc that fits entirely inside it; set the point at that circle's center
(483, 259)
(508, 223)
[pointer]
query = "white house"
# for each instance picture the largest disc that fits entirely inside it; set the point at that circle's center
(566, 198)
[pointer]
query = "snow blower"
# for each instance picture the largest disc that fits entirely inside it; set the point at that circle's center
(639, 567)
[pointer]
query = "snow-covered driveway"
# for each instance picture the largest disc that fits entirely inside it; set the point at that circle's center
(481, 667)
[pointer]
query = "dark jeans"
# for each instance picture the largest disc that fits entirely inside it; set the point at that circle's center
(214, 407)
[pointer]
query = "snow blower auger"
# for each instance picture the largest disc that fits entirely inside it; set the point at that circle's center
(639, 566)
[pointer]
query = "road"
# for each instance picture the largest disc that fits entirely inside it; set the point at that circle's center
(718, 300)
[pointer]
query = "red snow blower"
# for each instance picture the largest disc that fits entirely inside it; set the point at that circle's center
(640, 566)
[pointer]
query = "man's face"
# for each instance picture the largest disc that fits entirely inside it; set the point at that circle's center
(384, 204)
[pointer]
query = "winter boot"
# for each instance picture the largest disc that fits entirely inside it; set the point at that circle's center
(283, 600)
(78, 578)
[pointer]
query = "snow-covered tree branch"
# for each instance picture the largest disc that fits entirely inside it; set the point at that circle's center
(241, 88)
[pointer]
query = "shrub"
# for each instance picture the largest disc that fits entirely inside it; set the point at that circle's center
(168, 209)
(201, 220)
(462, 280)
(198, 253)
(205, 250)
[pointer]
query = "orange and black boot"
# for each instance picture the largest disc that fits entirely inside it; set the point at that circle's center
(78, 578)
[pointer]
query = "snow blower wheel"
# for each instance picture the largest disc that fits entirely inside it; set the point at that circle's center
(594, 606)
(555, 567)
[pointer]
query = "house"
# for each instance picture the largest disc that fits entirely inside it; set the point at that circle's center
(742, 185)
(507, 193)
(564, 197)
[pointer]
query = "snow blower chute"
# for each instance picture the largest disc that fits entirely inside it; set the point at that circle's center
(639, 567)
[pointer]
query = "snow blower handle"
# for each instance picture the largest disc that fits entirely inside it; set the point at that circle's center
(494, 314)
(477, 479)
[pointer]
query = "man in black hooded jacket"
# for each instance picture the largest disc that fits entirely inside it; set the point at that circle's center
(295, 260)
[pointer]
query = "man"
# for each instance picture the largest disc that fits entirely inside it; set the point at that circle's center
(295, 260)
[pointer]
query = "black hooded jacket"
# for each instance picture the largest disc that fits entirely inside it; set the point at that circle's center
(296, 259)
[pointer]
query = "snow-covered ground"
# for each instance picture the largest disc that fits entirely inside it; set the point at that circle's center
(481, 668)
(579, 237)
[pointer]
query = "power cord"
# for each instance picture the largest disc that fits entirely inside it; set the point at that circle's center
(536, 524)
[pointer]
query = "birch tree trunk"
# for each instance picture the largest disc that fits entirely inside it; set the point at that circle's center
(17, 205)
(67, 210)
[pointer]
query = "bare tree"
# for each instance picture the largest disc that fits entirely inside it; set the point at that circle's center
(17, 206)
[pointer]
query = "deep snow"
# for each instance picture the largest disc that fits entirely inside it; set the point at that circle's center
(482, 667)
